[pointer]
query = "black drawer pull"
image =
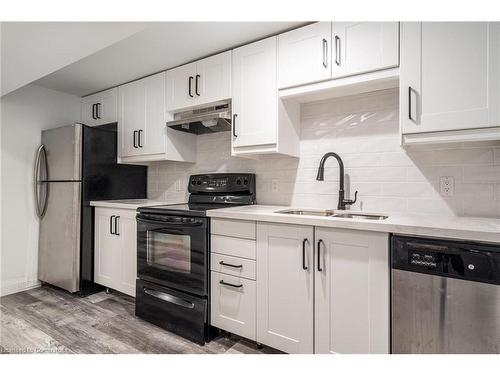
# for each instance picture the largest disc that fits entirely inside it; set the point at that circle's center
(230, 265)
(229, 284)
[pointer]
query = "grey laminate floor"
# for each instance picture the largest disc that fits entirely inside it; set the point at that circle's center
(47, 320)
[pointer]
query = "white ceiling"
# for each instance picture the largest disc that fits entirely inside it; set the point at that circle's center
(31, 50)
(158, 47)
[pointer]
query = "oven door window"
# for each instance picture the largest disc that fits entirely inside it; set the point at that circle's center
(170, 252)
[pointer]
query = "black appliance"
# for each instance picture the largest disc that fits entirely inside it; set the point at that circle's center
(76, 164)
(445, 296)
(173, 254)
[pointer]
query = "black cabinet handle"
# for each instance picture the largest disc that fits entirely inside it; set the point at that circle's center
(304, 267)
(410, 91)
(135, 139)
(337, 50)
(117, 218)
(234, 125)
(139, 138)
(97, 111)
(319, 255)
(111, 220)
(190, 82)
(196, 85)
(93, 111)
(230, 265)
(229, 284)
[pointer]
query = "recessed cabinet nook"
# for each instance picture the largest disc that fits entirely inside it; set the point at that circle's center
(445, 96)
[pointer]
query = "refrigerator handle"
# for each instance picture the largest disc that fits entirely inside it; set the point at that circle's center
(40, 209)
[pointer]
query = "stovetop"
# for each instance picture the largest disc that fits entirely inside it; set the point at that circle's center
(211, 191)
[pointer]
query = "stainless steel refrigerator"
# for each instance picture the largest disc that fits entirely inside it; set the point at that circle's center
(74, 165)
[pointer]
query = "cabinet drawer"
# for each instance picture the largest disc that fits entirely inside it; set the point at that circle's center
(233, 308)
(232, 246)
(233, 228)
(232, 265)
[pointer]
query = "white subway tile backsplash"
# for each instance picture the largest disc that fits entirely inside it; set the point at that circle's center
(364, 131)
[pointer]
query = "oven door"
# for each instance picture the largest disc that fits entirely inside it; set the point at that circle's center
(173, 251)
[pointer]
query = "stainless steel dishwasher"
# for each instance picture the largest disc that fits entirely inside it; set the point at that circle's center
(445, 296)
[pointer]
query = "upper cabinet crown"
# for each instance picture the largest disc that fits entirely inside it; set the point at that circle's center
(449, 81)
(100, 108)
(326, 50)
(198, 83)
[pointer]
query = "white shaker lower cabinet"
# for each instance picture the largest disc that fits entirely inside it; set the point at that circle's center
(115, 258)
(285, 287)
(351, 291)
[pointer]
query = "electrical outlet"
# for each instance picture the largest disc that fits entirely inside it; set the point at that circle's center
(275, 185)
(446, 186)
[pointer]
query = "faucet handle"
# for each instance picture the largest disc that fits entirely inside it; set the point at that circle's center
(350, 201)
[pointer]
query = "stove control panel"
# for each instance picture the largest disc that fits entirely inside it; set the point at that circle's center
(222, 183)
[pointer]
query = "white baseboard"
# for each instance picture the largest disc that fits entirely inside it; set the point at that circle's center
(15, 286)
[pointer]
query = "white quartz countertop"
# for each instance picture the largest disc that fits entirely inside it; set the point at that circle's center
(131, 204)
(465, 228)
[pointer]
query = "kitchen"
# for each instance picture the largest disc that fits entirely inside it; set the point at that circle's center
(299, 187)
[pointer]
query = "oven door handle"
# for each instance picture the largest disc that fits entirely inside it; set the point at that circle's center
(166, 224)
(169, 298)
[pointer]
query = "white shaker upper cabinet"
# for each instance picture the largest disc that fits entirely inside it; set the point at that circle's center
(213, 78)
(255, 99)
(351, 291)
(450, 76)
(198, 83)
(285, 287)
(180, 87)
(360, 47)
(100, 108)
(304, 55)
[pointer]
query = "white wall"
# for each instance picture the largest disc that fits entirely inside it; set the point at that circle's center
(24, 114)
(364, 131)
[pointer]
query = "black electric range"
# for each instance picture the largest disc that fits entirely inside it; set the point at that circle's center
(173, 254)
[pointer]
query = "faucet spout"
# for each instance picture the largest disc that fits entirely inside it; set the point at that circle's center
(321, 176)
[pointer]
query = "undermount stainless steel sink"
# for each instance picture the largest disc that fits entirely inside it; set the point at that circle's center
(361, 216)
(333, 213)
(307, 212)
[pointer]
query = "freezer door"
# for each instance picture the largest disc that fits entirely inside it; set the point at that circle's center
(434, 314)
(64, 152)
(59, 244)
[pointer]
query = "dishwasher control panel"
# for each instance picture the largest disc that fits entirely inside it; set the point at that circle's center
(462, 260)
(423, 259)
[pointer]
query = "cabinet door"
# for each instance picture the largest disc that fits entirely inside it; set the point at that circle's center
(127, 236)
(255, 94)
(106, 271)
(213, 78)
(351, 292)
(359, 47)
(107, 102)
(450, 76)
(131, 117)
(304, 55)
(285, 287)
(233, 304)
(153, 139)
(181, 87)
(88, 111)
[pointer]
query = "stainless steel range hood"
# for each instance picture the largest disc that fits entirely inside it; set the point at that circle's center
(212, 119)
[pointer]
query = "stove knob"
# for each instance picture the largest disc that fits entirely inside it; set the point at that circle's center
(238, 182)
(198, 182)
(193, 182)
(245, 182)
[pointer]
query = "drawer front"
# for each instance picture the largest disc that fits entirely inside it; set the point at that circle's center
(233, 308)
(233, 246)
(234, 228)
(239, 267)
